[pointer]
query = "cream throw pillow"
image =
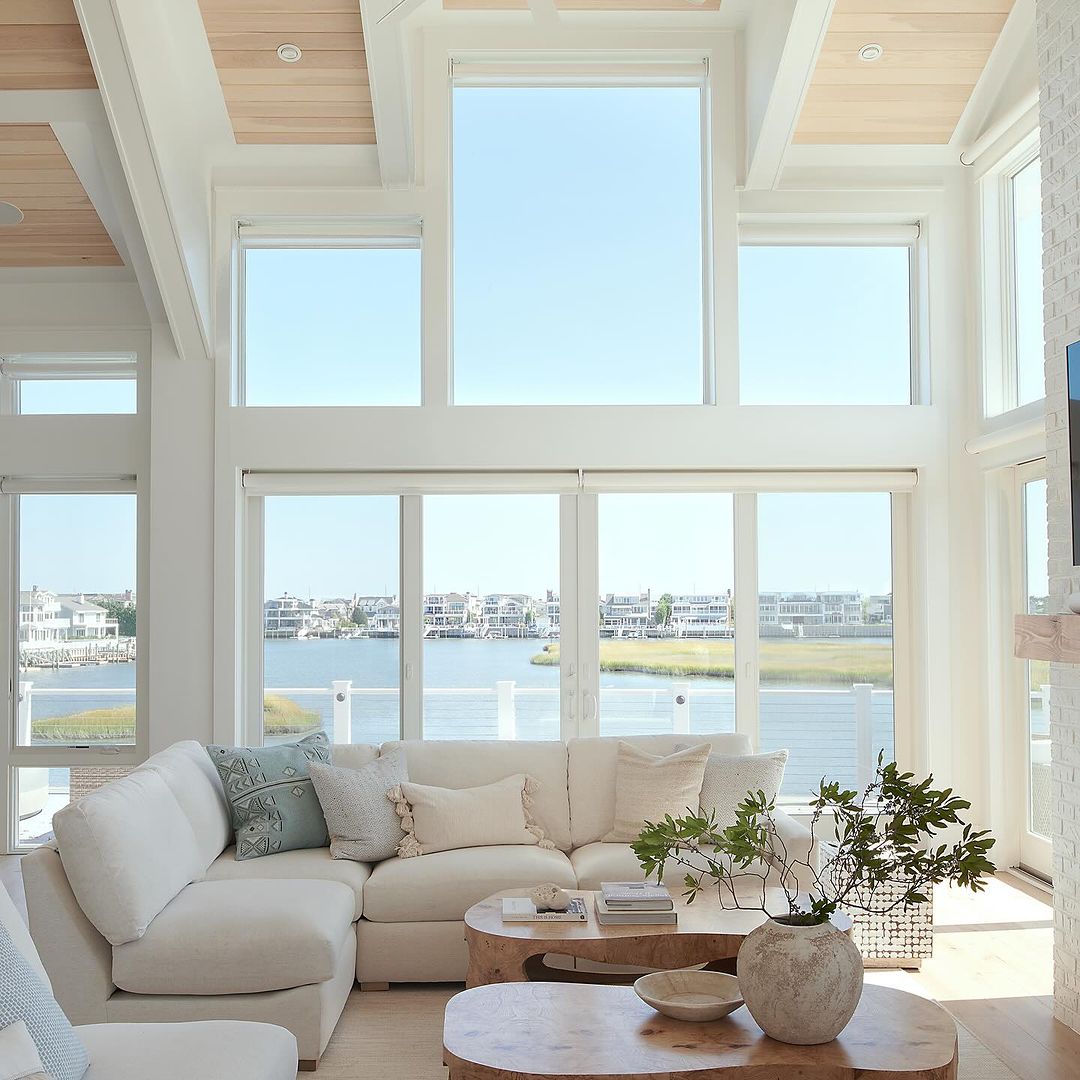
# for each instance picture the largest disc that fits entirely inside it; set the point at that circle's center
(648, 786)
(728, 780)
(440, 819)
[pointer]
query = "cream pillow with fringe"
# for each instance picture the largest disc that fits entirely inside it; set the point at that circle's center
(441, 819)
(649, 786)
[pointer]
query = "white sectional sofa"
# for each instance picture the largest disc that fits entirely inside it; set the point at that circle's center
(144, 914)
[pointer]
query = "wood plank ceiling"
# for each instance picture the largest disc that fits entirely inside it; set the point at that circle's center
(60, 226)
(42, 47)
(915, 93)
(324, 97)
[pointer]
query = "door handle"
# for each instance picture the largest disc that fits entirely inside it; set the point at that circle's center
(590, 707)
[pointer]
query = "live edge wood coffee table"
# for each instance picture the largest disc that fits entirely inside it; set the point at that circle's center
(539, 1031)
(706, 933)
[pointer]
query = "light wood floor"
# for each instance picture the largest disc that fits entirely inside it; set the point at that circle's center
(992, 968)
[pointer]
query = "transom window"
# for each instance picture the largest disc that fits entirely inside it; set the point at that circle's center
(578, 235)
(825, 323)
(68, 383)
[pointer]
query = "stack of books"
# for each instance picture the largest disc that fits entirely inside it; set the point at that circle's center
(624, 903)
(522, 909)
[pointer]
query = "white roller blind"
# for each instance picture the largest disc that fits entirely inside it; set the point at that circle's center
(777, 233)
(67, 485)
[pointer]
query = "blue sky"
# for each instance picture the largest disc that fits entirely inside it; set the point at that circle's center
(337, 545)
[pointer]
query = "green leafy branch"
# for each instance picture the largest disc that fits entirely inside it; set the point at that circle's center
(882, 837)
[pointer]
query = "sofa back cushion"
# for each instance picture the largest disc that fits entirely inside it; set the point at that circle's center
(127, 849)
(353, 755)
(592, 769)
(467, 764)
(191, 777)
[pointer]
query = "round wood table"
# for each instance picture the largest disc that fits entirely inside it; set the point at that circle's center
(536, 1031)
(706, 933)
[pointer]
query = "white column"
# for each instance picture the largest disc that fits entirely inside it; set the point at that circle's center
(865, 764)
(504, 691)
(342, 698)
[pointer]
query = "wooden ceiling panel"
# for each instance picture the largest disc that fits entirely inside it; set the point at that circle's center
(325, 97)
(60, 226)
(42, 47)
(935, 52)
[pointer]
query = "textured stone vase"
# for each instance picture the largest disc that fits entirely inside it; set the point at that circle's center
(801, 983)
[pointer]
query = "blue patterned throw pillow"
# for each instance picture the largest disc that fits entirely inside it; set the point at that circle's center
(23, 996)
(274, 805)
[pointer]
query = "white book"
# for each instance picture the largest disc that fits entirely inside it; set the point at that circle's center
(636, 896)
(606, 917)
(522, 909)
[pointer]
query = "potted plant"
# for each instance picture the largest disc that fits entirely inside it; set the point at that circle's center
(800, 974)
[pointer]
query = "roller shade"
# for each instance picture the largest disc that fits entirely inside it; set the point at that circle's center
(67, 485)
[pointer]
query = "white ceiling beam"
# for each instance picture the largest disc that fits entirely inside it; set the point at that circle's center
(780, 60)
(49, 106)
(166, 203)
(1013, 59)
(384, 46)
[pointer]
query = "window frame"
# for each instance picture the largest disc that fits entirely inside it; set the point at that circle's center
(757, 232)
(33, 366)
(366, 232)
(999, 367)
(12, 755)
(674, 71)
(578, 493)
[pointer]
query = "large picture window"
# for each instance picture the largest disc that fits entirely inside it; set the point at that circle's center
(578, 239)
(825, 324)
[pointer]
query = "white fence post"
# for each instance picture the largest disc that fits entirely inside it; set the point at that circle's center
(865, 763)
(342, 697)
(22, 736)
(680, 707)
(504, 692)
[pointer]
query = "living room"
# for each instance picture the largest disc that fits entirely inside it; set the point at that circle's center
(441, 440)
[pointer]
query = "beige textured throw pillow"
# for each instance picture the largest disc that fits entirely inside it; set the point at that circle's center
(441, 819)
(728, 780)
(648, 786)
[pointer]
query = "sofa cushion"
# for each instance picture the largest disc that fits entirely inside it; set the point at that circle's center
(271, 796)
(313, 864)
(23, 996)
(361, 821)
(472, 763)
(591, 775)
(648, 787)
(599, 862)
(210, 1050)
(127, 849)
(353, 755)
(728, 780)
(239, 937)
(442, 886)
(193, 780)
(442, 819)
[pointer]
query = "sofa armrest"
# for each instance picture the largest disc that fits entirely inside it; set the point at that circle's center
(77, 958)
(800, 845)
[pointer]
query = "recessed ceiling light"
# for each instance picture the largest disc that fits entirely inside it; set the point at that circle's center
(10, 214)
(871, 52)
(289, 53)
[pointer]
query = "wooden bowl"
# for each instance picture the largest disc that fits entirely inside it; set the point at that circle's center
(690, 995)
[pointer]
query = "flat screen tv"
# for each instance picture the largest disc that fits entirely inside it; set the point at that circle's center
(1072, 357)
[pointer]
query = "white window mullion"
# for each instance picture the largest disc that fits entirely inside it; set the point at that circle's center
(9, 614)
(411, 601)
(253, 591)
(746, 617)
(588, 624)
(570, 702)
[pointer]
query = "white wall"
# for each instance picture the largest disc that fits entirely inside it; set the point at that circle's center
(1058, 33)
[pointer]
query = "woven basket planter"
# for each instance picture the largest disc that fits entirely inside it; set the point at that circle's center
(903, 938)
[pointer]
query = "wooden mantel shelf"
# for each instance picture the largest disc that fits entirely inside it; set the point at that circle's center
(1047, 637)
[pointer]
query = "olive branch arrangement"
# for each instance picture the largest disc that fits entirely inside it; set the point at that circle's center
(882, 836)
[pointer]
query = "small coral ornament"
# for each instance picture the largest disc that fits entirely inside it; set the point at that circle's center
(550, 898)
